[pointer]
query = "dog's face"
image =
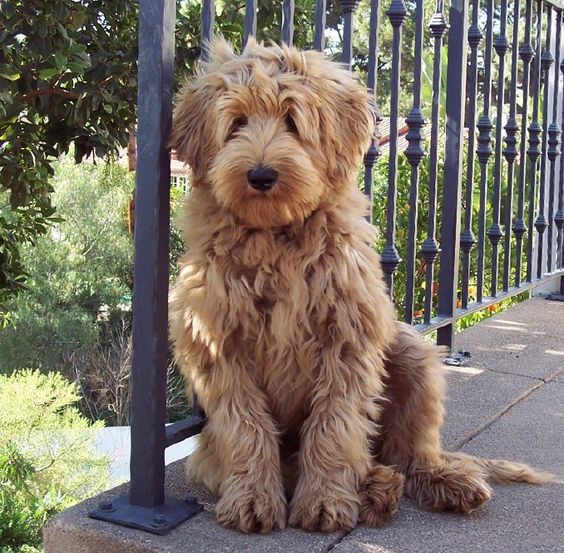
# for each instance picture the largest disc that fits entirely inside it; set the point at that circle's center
(272, 132)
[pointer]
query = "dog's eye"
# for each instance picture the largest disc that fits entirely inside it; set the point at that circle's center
(291, 124)
(237, 124)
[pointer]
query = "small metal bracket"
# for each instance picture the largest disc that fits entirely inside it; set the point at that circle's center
(457, 359)
(555, 297)
(160, 519)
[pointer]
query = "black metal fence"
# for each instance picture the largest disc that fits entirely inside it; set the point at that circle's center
(492, 195)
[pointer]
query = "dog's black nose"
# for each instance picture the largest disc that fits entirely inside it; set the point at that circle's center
(262, 178)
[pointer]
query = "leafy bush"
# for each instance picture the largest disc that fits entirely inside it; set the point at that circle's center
(75, 316)
(47, 462)
(79, 269)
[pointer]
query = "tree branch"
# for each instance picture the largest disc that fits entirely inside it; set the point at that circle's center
(49, 90)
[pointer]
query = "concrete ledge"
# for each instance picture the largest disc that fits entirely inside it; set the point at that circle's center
(74, 532)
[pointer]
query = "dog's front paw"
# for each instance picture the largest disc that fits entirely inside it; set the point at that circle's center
(379, 500)
(324, 510)
(252, 509)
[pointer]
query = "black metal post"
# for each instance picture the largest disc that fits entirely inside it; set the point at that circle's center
(484, 150)
(534, 151)
(414, 153)
(430, 248)
(526, 53)
(207, 22)
(553, 151)
(287, 31)
(373, 151)
(348, 7)
(390, 258)
(546, 62)
(510, 151)
(467, 238)
(150, 295)
(452, 186)
(320, 17)
(559, 216)
(250, 20)
(146, 507)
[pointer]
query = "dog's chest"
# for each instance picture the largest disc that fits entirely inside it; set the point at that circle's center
(282, 334)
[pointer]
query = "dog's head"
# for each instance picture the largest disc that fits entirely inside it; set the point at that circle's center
(272, 132)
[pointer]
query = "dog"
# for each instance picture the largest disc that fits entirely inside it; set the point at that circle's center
(322, 409)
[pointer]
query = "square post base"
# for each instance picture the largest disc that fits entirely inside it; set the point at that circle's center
(160, 519)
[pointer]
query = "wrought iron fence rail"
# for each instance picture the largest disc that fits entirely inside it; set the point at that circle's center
(183, 429)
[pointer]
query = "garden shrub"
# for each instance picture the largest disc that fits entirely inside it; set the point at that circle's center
(47, 460)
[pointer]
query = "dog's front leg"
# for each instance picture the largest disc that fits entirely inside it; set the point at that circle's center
(335, 458)
(251, 489)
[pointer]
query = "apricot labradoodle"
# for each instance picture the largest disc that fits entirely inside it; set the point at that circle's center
(322, 408)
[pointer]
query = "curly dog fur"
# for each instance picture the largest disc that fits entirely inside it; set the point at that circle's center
(322, 409)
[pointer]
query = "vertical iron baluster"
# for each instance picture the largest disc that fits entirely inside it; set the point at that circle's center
(526, 53)
(414, 154)
(152, 213)
(430, 247)
(533, 151)
(510, 150)
(207, 22)
(494, 232)
(250, 20)
(559, 217)
(373, 151)
(553, 143)
(320, 17)
(287, 31)
(390, 257)
(546, 61)
(467, 238)
(484, 149)
(348, 7)
(452, 184)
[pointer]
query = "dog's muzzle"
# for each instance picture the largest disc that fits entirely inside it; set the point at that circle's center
(262, 178)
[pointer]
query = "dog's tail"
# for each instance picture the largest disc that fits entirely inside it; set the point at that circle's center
(498, 471)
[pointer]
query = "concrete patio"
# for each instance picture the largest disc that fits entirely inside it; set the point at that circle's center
(507, 401)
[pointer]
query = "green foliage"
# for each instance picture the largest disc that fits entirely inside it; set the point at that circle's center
(67, 77)
(74, 317)
(79, 271)
(380, 218)
(47, 461)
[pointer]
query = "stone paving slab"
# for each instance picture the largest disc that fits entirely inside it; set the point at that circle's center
(537, 313)
(475, 397)
(519, 518)
(525, 339)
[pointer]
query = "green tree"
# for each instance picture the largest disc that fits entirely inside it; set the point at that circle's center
(67, 77)
(80, 271)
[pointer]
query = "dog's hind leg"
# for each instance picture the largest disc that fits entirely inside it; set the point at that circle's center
(410, 434)
(410, 429)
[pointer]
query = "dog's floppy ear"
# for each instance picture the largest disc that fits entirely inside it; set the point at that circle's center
(347, 120)
(195, 114)
(193, 128)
